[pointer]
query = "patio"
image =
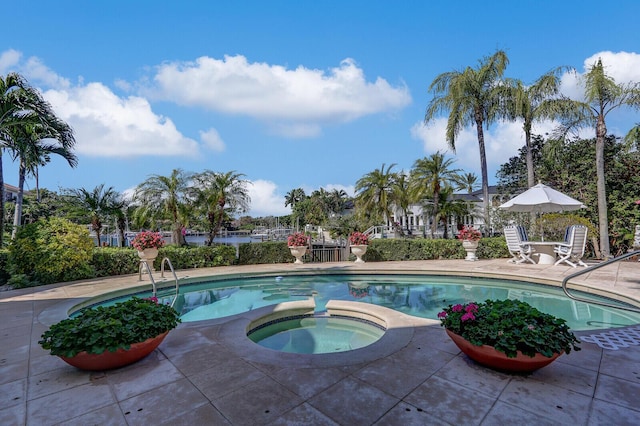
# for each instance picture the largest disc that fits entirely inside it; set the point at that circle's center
(203, 374)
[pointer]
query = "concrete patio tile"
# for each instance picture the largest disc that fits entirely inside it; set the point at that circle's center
(450, 401)
(225, 377)
(61, 379)
(142, 377)
(14, 415)
(164, 404)
(12, 371)
(303, 415)
(106, 416)
(185, 341)
(397, 376)
(566, 376)
(505, 414)
(258, 403)
(589, 356)
(43, 362)
(434, 337)
(194, 361)
(407, 415)
(205, 414)
(605, 413)
(616, 363)
(465, 372)
(620, 391)
(353, 402)
(553, 402)
(13, 393)
(308, 382)
(69, 403)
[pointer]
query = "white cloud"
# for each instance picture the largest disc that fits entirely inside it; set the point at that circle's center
(623, 67)
(36, 70)
(265, 200)
(8, 60)
(109, 126)
(212, 139)
(349, 189)
(299, 97)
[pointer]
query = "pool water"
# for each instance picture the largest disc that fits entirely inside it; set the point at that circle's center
(418, 295)
(317, 335)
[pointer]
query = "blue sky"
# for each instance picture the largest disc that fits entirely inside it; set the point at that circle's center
(290, 93)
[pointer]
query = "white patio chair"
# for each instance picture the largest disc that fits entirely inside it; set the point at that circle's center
(519, 249)
(572, 251)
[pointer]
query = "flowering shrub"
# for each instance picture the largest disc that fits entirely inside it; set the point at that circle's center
(358, 238)
(509, 326)
(298, 239)
(469, 233)
(147, 239)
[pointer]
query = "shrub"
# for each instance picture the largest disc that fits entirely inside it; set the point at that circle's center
(51, 250)
(267, 252)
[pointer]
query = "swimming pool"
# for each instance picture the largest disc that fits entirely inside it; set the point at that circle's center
(418, 295)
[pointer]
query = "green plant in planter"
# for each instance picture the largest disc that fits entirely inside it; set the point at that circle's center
(110, 328)
(509, 326)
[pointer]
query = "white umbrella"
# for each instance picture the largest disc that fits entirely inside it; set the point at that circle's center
(542, 199)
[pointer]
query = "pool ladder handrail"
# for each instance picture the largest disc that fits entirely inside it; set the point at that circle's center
(175, 277)
(166, 260)
(592, 268)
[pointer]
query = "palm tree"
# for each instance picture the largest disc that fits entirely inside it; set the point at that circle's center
(467, 182)
(429, 177)
(98, 203)
(374, 193)
(219, 195)
(401, 195)
(533, 103)
(602, 95)
(336, 200)
(471, 96)
(19, 104)
(31, 145)
(293, 197)
(165, 196)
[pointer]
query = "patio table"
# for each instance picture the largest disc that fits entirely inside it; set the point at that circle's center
(544, 251)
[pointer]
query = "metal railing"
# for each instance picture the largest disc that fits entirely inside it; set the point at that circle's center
(145, 265)
(175, 277)
(593, 268)
(327, 254)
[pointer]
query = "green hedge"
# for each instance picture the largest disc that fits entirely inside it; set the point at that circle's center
(4, 270)
(381, 250)
(118, 261)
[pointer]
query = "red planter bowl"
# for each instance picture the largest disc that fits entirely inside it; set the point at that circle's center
(488, 356)
(108, 360)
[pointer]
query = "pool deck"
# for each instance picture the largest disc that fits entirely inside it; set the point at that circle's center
(208, 373)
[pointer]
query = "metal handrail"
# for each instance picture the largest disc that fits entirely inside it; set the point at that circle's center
(175, 277)
(592, 268)
(153, 283)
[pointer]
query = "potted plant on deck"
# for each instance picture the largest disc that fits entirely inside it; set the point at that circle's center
(113, 336)
(507, 335)
(298, 244)
(470, 237)
(358, 242)
(147, 243)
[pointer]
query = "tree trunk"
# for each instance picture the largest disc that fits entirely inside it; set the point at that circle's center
(603, 222)
(485, 178)
(1, 201)
(531, 179)
(17, 216)
(434, 224)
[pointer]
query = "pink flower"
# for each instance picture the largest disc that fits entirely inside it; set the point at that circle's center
(468, 317)
(154, 299)
(472, 308)
(442, 314)
(531, 327)
(358, 238)
(457, 308)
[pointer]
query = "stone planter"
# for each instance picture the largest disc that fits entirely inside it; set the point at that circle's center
(108, 360)
(148, 256)
(470, 247)
(359, 250)
(488, 356)
(298, 252)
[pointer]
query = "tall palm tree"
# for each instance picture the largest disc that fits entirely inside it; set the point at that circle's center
(401, 195)
(374, 193)
(531, 104)
(293, 197)
(166, 196)
(471, 96)
(99, 204)
(19, 103)
(467, 182)
(219, 195)
(32, 144)
(429, 177)
(336, 200)
(602, 95)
